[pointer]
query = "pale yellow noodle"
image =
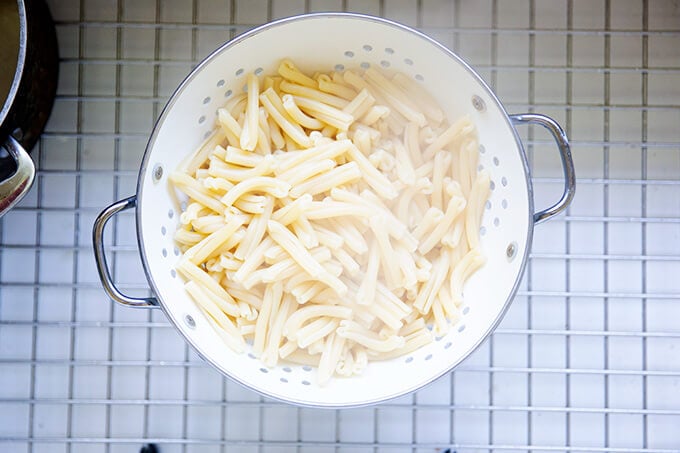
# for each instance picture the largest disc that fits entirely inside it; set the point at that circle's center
(249, 133)
(298, 115)
(289, 71)
(221, 297)
(272, 186)
(270, 356)
(323, 182)
(313, 94)
(330, 357)
(272, 103)
(207, 247)
(292, 210)
(360, 104)
(327, 85)
(330, 115)
(270, 302)
(255, 231)
(224, 327)
(195, 160)
(453, 209)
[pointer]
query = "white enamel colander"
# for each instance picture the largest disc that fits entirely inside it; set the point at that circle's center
(323, 42)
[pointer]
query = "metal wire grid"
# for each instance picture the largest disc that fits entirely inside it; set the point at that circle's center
(587, 359)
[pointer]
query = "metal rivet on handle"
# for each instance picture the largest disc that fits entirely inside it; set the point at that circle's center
(478, 103)
(157, 172)
(511, 251)
(189, 321)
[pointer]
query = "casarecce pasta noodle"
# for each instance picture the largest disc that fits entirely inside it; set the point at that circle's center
(332, 219)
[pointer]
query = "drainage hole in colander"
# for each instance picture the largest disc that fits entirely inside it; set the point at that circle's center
(258, 71)
(504, 181)
(496, 162)
(206, 135)
(206, 100)
(339, 67)
(171, 214)
(408, 359)
(408, 61)
(511, 251)
(482, 231)
(287, 369)
(228, 93)
(389, 50)
(183, 205)
(482, 149)
(480, 167)
(157, 172)
(428, 357)
(163, 230)
(306, 383)
(478, 103)
(466, 310)
(349, 53)
(201, 120)
(251, 355)
(220, 83)
(307, 368)
(496, 221)
(461, 328)
(239, 72)
(264, 370)
(368, 48)
(173, 273)
(175, 251)
(385, 64)
(447, 345)
(365, 65)
(492, 185)
(244, 88)
(504, 204)
(165, 253)
(419, 78)
(284, 380)
(487, 205)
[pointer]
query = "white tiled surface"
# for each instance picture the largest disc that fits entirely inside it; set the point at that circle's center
(587, 359)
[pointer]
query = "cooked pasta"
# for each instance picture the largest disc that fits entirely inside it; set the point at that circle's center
(332, 220)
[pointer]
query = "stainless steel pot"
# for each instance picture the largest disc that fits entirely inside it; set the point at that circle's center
(28, 82)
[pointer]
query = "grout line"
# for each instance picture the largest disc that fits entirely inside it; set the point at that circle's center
(76, 231)
(36, 292)
(529, 271)
(493, 80)
(471, 30)
(643, 213)
(605, 194)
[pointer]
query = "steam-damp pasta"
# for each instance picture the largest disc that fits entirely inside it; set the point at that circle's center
(331, 219)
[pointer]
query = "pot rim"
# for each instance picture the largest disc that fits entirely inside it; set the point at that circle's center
(144, 168)
(21, 59)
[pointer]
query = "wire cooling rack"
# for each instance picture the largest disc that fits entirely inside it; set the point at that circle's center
(586, 360)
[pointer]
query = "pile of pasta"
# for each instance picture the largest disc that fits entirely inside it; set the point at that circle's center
(332, 219)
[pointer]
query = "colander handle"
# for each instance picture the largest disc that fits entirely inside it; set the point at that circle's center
(565, 155)
(100, 257)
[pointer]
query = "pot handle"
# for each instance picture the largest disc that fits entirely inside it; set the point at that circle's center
(565, 155)
(100, 257)
(15, 187)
